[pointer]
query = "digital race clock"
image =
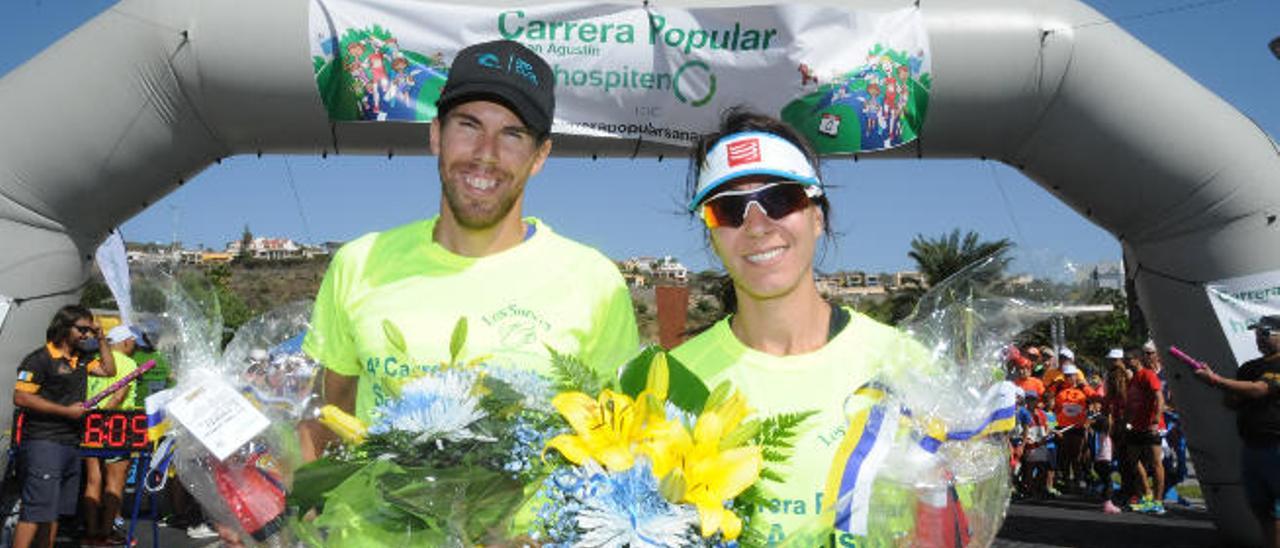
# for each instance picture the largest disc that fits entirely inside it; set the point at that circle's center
(115, 430)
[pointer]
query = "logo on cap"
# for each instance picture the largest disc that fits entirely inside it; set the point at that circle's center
(515, 65)
(488, 60)
(746, 151)
(525, 70)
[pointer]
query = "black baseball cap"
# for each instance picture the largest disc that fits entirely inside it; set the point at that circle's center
(507, 72)
(1267, 322)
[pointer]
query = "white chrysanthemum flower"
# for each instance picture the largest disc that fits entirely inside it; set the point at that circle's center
(437, 406)
(626, 509)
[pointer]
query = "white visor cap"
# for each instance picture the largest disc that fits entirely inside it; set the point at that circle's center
(752, 153)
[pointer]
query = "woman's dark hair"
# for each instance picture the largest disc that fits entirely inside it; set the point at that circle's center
(739, 119)
(1117, 383)
(63, 319)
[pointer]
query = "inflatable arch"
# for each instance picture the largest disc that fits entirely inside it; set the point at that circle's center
(172, 86)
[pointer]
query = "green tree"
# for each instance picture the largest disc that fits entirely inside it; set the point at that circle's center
(939, 258)
(97, 295)
(246, 239)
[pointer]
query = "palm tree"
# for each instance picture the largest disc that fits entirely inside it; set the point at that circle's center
(939, 258)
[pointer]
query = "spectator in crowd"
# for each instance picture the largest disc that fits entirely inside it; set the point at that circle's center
(1053, 369)
(1024, 419)
(1031, 352)
(1113, 405)
(1070, 407)
(1255, 396)
(157, 378)
(1036, 472)
(1114, 358)
(1175, 456)
(1051, 444)
(1023, 379)
(104, 478)
(1133, 361)
(49, 392)
(1101, 451)
(1144, 404)
(1151, 358)
(1098, 387)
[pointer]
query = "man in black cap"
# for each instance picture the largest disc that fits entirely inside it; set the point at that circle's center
(1255, 396)
(522, 287)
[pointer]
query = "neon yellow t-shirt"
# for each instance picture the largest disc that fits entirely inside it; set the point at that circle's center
(546, 291)
(820, 381)
(124, 366)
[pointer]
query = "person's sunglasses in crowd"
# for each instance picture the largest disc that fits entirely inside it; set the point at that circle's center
(776, 200)
(85, 329)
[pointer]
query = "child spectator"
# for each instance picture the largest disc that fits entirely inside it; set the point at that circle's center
(1051, 444)
(1037, 475)
(1101, 450)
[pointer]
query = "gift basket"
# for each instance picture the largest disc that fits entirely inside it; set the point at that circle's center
(230, 418)
(925, 459)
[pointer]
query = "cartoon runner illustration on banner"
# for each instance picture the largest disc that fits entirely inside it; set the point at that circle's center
(876, 106)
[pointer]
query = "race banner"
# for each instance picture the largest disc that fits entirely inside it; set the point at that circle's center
(852, 81)
(1239, 302)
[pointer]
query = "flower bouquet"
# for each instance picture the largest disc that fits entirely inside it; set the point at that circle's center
(659, 461)
(445, 462)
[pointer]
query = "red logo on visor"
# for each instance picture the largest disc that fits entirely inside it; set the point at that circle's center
(743, 152)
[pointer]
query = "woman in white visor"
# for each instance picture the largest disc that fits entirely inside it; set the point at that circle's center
(756, 185)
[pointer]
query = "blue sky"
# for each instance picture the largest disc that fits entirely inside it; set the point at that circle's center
(879, 207)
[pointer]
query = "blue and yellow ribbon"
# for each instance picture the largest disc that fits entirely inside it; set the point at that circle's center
(875, 423)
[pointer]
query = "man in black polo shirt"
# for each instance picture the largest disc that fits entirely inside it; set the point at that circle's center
(1255, 396)
(49, 393)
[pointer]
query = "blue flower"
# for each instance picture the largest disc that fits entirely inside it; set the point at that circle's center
(436, 406)
(526, 449)
(616, 509)
(536, 389)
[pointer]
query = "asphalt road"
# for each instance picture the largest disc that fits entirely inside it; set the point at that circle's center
(1076, 522)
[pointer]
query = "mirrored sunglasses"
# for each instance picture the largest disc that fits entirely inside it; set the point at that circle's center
(776, 200)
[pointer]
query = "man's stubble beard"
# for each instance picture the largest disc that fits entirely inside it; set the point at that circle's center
(476, 218)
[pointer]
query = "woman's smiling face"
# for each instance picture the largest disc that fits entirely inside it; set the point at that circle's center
(768, 258)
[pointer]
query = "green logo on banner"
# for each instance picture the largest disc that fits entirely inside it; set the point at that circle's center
(711, 83)
(681, 83)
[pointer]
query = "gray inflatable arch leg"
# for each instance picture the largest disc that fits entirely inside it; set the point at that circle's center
(170, 86)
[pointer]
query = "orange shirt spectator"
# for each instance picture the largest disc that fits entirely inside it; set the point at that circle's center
(1029, 384)
(1071, 405)
(1051, 376)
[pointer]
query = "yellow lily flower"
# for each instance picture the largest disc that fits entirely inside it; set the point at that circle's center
(714, 474)
(612, 429)
(666, 443)
(605, 429)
